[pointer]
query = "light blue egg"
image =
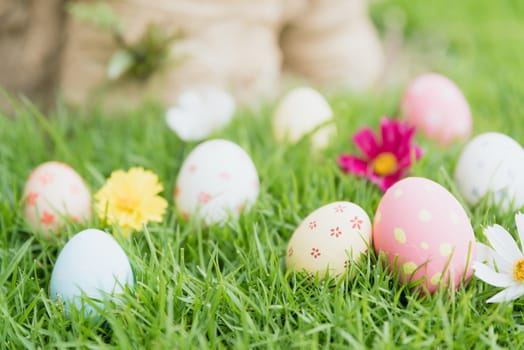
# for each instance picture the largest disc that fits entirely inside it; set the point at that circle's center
(92, 264)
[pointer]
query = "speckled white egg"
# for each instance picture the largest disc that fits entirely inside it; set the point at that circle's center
(217, 180)
(328, 239)
(91, 263)
(53, 193)
(492, 164)
(301, 111)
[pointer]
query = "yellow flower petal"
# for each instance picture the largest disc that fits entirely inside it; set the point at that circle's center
(130, 199)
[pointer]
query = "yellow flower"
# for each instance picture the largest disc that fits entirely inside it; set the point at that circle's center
(131, 199)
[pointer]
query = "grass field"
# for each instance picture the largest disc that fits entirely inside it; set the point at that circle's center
(225, 287)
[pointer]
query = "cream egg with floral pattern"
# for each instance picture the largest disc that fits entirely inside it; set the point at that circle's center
(425, 233)
(329, 239)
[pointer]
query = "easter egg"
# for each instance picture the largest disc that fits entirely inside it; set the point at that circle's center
(54, 193)
(425, 233)
(217, 180)
(437, 107)
(492, 164)
(328, 239)
(91, 263)
(301, 111)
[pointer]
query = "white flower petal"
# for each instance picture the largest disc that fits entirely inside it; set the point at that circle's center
(503, 243)
(484, 253)
(519, 220)
(508, 294)
(490, 276)
(502, 264)
(189, 127)
(491, 258)
(224, 107)
(190, 99)
(200, 112)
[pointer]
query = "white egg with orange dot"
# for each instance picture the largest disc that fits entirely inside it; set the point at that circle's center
(54, 193)
(329, 239)
(217, 180)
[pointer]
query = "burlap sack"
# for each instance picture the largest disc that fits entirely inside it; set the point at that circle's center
(233, 44)
(333, 42)
(227, 43)
(30, 42)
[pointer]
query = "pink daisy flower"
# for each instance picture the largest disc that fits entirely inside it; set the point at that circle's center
(386, 160)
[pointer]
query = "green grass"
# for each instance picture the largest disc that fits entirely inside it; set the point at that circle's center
(225, 287)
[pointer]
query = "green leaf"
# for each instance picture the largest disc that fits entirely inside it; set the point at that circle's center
(99, 14)
(14, 261)
(119, 64)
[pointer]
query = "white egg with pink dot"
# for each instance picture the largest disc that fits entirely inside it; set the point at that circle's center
(217, 180)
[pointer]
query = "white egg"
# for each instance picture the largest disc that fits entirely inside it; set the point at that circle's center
(53, 193)
(217, 180)
(91, 263)
(492, 164)
(301, 111)
(328, 239)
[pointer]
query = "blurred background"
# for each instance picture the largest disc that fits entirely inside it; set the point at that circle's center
(120, 51)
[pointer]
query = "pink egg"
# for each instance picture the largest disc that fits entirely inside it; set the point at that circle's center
(53, 193)
(425, 233)
(437, 107)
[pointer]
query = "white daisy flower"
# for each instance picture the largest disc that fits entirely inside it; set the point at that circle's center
(200, 112)
(502, 264)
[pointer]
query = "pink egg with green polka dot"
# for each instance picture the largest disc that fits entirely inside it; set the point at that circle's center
(425, 233)
(437, 107)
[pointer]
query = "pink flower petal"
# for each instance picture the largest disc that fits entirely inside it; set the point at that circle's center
(407, 159)
(405, 144)
(389, 132)
(367, 143)
(390, 180)
(408, 131)
(352, 164)
(418, 152)
(374, 179)
(396, 138)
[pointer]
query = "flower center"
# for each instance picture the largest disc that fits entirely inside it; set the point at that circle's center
(127, 204)
(385, 164)
(518, 271)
